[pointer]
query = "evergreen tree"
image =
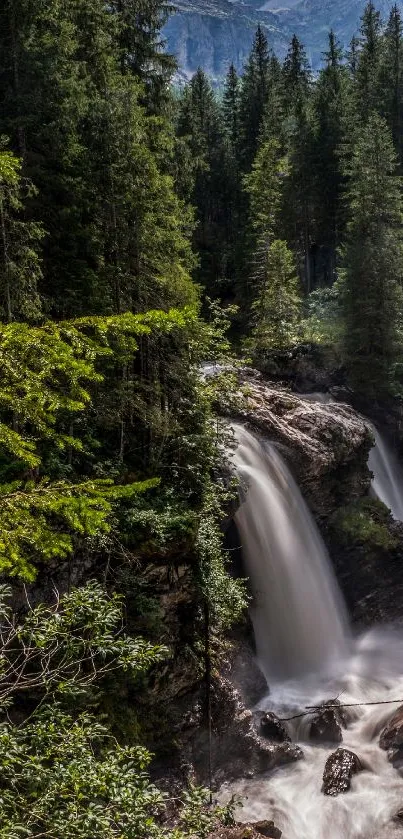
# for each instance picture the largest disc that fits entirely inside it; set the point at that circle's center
(296, 76)
(201, 124)
(373, 261)
(141, 47)
(230, 107)
(20, 269)
(263, 187)
(391, 78)
(277, 310)
(330, 104)
(254, 95)
(368, 62)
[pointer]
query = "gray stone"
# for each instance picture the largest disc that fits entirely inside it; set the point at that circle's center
(340, 768)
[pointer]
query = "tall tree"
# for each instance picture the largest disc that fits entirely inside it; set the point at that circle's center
(20, 268)
(368, 62)
(373, 261)
(391, 78)
(200, 122)
(330, 97)
(296, 75)
(255, 89)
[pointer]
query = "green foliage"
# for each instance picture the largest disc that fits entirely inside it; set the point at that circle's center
(323, 323)
(277, 311)
(63, 649)
(226, 596)
(20, 269)
(373, 260)
(365, 523)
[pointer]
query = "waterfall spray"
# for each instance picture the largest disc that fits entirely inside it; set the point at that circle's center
(298, 613)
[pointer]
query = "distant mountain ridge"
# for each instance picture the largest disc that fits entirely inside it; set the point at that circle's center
(213, 33)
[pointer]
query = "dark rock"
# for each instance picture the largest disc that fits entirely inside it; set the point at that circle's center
(268, 829)
(391, 739)
(248, 831)
(237, 750)
(273, 729)
(339, 770)
(327, 724)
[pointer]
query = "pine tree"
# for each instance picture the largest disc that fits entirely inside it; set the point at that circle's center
(254, 95)
(230, 107)
(141, 46)
(368, 62)
(373, 261)
(20, 269)
(200, 121)
(277, 310)
(391, 78)
(296, 76)
(263, 187)
(330, 104)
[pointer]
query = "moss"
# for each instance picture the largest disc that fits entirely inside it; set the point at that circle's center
(365, 522)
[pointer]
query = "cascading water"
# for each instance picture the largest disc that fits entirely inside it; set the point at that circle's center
(387, 484)
(306, 653)
(298, 614)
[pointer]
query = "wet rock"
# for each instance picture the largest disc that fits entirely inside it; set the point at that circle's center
(391, 739)
(237, 750)
(273, 729)
(248, 831)
(327, 445)
(339, 770)
(327, 724)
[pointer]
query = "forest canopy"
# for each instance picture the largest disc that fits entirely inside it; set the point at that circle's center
(147, 229)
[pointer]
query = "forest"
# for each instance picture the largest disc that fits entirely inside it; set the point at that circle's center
(147, 230)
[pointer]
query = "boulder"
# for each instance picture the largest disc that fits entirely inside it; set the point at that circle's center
(235, 750)
(327, 723)
(248, 831)
(391, 739)
(326, 444)
(273, 729)
(339, 770)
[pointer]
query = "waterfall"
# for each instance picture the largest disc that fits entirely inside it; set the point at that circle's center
(298, 613)
(387, 483)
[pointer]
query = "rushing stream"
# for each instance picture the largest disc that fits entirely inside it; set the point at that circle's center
(308, 655)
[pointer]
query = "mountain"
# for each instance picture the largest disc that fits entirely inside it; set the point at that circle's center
(213, 33)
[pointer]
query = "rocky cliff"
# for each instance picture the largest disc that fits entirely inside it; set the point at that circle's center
(213, 33)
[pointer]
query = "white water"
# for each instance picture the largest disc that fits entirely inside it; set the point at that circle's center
(304, 649)
(298, 614)
(292, 796)
(388, 476)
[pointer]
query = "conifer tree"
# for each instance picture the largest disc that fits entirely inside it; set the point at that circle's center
(230, 106)
(296, 76)
(368, 62)
(373, 261)
(277, 310)
(391, 78)
(254, 94)
(263, 187)
(200, 123)
(20, 269)
(329, 106)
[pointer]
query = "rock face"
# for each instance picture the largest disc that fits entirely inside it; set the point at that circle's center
(326, 445)
(339, 770)
(273, 729)
(213, 33)
(237, 750)
(391, 739)
(248, 831)
(327, 724)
